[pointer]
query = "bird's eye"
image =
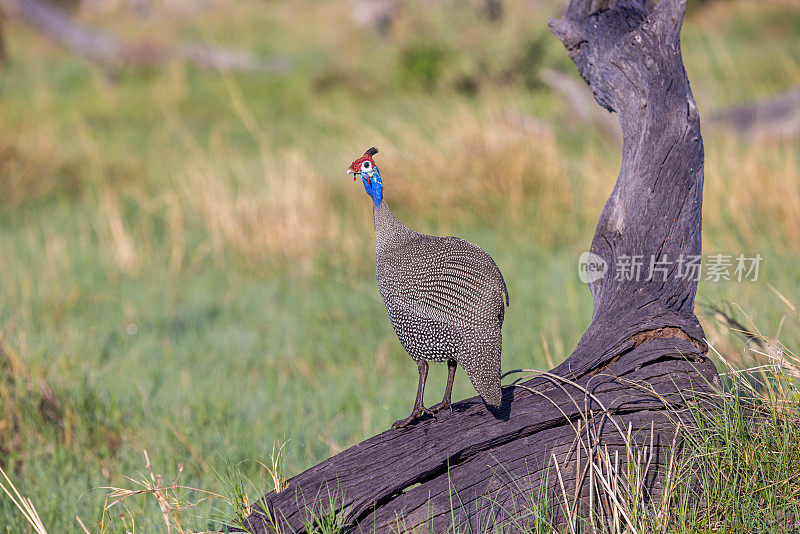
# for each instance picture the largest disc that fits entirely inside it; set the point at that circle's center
(365, 166)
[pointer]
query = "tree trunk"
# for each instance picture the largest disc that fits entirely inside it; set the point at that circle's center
(621, 393)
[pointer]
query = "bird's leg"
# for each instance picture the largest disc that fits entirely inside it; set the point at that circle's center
(448, 390)
(419, 409)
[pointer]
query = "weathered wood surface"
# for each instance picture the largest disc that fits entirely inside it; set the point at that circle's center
(644, 346)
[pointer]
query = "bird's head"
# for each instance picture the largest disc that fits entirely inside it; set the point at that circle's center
(364, 167)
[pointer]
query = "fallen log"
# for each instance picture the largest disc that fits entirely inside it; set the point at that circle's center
(614, 405)
(580, 103)
(776, 117)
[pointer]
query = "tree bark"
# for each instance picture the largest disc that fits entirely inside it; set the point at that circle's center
(623, 391)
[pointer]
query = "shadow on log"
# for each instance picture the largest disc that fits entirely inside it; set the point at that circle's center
(624, 388)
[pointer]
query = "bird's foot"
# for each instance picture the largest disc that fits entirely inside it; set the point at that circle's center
(442, 406)
(416, 414)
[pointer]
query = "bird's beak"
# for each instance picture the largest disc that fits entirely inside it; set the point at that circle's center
(350, 171)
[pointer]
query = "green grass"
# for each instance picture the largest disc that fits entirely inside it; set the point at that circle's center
(185, 269)
(748, 477)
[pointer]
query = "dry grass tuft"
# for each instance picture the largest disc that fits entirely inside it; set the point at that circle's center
(33, 165)
(619, 499)
(116, 232)
(752, 192)
(23, 504)
(168, 495)
(266, 215)
(175, 499)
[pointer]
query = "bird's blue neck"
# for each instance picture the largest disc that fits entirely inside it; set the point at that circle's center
(373, 185)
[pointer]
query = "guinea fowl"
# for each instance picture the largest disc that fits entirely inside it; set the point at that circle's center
(445, 297)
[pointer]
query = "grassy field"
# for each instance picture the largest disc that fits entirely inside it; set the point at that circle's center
(185, 268)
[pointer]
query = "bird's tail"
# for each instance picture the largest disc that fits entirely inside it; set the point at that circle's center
(482, 366)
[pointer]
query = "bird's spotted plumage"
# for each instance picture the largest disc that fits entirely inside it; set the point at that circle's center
(445, 297)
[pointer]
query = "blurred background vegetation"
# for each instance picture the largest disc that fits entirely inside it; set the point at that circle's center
(186, 269)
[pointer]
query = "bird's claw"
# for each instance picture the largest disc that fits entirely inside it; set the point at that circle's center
(436, 408)
(416, 414)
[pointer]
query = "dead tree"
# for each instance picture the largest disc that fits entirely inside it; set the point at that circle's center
(625, 385)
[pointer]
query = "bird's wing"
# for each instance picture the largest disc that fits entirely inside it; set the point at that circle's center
(448, 280)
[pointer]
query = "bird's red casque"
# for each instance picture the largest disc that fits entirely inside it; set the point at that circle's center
(356, 165)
